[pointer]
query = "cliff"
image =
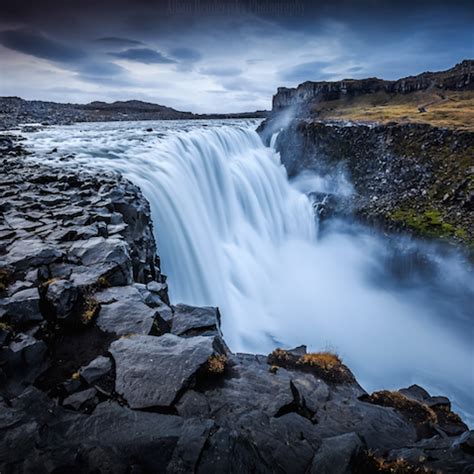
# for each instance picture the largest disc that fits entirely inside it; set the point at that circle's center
(460, 77)
(98, 373)
(410, 177)
(412, 166)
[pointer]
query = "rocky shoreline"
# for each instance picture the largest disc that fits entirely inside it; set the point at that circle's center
(15, 112)
(99, 373)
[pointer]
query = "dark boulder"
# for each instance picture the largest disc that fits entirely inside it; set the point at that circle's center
(141, 361)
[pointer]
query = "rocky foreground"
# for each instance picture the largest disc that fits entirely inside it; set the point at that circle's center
(99, 373)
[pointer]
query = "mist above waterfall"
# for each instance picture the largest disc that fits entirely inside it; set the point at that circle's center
(233, 231)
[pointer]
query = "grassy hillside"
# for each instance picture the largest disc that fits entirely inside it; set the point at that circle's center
(440, 108)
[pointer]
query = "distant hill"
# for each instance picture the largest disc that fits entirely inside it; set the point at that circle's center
(14, 110)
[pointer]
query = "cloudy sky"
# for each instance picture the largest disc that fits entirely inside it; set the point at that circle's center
(219, 55)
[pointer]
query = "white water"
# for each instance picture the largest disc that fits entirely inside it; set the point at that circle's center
(233, 232)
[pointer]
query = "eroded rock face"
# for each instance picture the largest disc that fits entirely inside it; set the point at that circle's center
(98, 373)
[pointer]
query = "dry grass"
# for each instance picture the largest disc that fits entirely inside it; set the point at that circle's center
(46, 283)
(103, 283)
(413, 410)
(4, 279)
(5, 326)
(326, 365)
(216, 364)
(450, 109)
(324, 360)
(90, 309)
(367, 462)
(75, 376)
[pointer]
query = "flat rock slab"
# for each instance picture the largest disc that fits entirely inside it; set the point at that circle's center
(335, 453)
(123, 318)
(151, 371)
(124, 312)
(191, 320)
(26, 253)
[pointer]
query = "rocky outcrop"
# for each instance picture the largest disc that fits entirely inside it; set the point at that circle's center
(99, 374)
(409, 177)
(460, 77)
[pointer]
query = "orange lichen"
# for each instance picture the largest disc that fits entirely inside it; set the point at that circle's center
(326, 365)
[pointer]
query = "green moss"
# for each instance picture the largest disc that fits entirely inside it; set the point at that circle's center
(461, 233)
(429, 223)
(4, 326)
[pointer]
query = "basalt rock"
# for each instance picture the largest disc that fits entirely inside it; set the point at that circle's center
(142, 360)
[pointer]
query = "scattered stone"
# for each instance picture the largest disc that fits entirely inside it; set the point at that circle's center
(23, 307)
(79, 399)
(62, 298)
(128, 316)
(27, 253)
(97, 369)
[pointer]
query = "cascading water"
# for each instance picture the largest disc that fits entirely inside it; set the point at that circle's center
(232, 231)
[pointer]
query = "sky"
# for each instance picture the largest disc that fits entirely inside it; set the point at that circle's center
(219, 56)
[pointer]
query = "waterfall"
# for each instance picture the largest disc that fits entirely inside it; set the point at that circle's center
(232, 231)
(222, 208)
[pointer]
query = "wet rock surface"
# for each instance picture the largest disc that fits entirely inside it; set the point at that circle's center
(98, 373)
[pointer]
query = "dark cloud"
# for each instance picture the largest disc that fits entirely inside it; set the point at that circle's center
(114, 41)
(143, 55)
(311, 71)
(220, 71)
(242, 45)
(100, 69)
(39, 45)
(186, 54)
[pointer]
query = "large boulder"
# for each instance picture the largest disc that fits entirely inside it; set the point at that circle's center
(124, 311)
(192, 321)
(335, 454)
(153, 371)
(23, 307)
